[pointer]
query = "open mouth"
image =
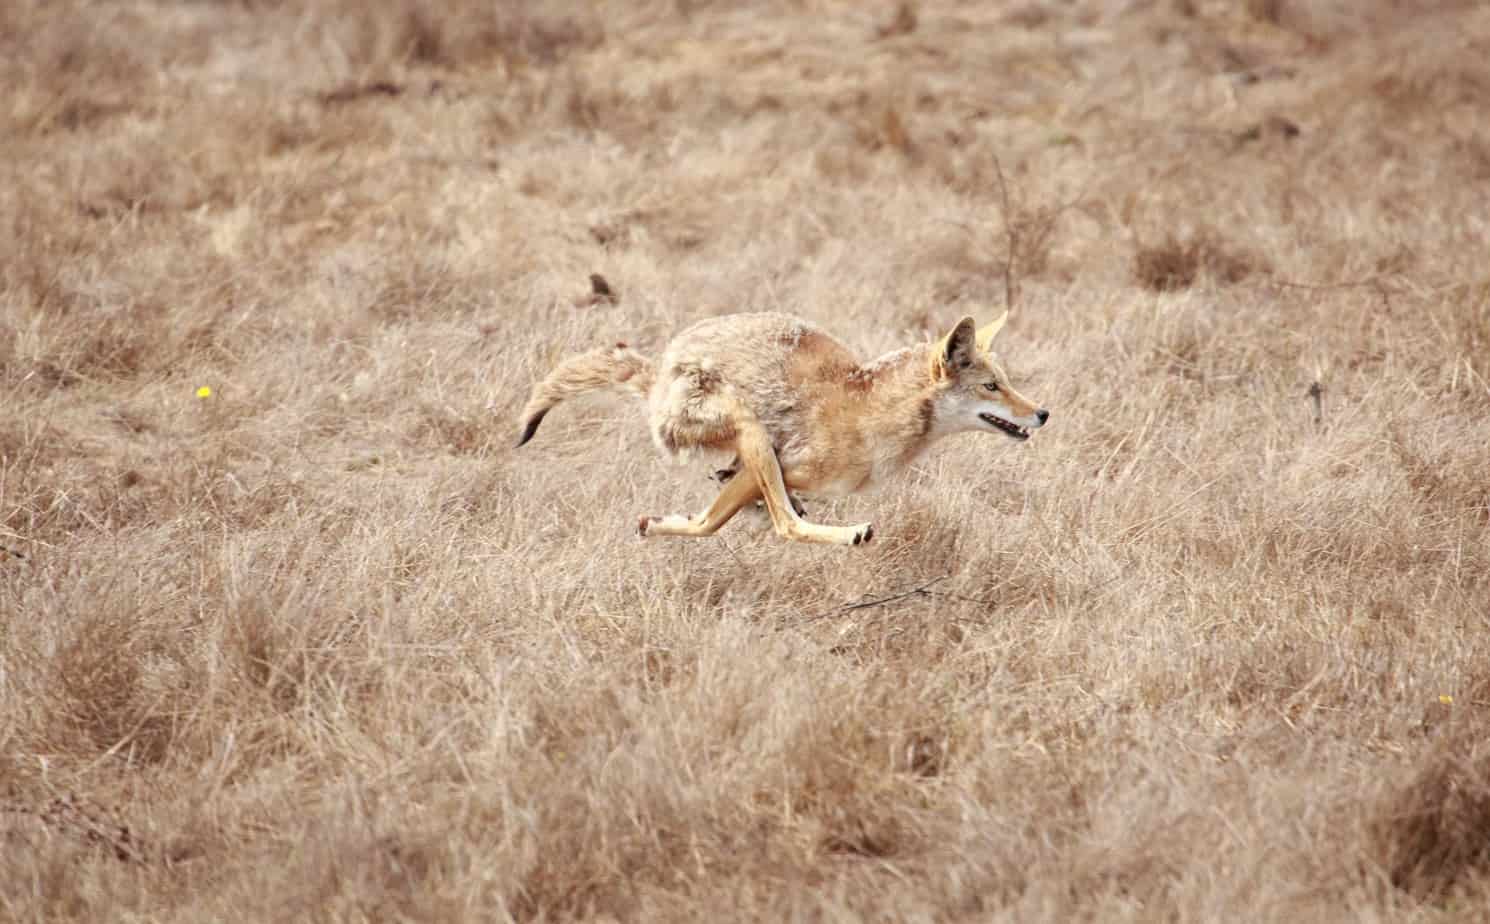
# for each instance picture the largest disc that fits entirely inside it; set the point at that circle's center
(1014, 430)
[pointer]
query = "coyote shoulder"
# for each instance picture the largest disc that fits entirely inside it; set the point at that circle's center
(798, 410)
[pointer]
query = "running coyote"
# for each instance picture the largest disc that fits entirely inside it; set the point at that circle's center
(799, 411)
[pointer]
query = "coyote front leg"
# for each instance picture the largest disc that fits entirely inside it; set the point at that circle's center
(761, 466)
(736, 494)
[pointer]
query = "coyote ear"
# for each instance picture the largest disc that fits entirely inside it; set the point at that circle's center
(956, 350)
(990, 330)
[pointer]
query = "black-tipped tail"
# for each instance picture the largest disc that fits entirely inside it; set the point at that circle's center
(531, 427)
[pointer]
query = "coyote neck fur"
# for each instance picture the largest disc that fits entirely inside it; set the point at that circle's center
(895, 417)
(897, 385)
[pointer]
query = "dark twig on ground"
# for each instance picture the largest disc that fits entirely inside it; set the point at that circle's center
(1374, 283)
(924, 590)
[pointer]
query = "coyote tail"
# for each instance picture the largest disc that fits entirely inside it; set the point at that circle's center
(596, 370)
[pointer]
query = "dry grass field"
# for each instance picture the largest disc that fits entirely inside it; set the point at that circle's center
(322, 645)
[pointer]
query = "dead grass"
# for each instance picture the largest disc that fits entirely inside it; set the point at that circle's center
(323, 645)
(1429, 829)
(1179, 263)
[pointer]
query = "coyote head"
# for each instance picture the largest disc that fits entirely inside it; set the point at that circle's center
(972, 390)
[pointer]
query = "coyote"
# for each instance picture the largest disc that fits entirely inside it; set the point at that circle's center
(798, 410)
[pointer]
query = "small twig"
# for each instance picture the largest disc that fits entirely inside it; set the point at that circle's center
(922, 590)
(1350, 284)
(948, 596)
(913, 592)
(1375, 283)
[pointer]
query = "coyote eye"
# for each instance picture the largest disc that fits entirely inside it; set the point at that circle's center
(992, 386)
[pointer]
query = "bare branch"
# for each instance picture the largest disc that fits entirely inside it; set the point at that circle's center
(1011, 233)
(866, 602)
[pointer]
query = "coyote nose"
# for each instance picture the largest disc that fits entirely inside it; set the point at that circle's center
(1043, 415)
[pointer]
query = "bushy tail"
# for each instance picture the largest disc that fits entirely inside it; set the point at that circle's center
(597, 370)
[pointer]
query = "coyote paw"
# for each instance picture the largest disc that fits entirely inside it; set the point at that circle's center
(862, 534)
(641, 526)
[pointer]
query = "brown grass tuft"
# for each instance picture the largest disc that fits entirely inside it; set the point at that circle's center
(1179, 263)
(1430, 831)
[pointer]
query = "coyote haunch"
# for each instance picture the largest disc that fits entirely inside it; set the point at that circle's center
(800, 412)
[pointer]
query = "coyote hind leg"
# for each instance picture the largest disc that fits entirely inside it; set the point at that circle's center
(761, 464)
(723, 475)
(736, 494)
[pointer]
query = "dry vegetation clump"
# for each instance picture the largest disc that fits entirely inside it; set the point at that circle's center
(317, 642)
(1430, 828)
(1179, 263)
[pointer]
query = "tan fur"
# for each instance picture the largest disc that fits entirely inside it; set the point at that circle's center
(800, 412)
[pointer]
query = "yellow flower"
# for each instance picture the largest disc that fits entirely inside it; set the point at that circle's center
(1446, 699)
(205, 391)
